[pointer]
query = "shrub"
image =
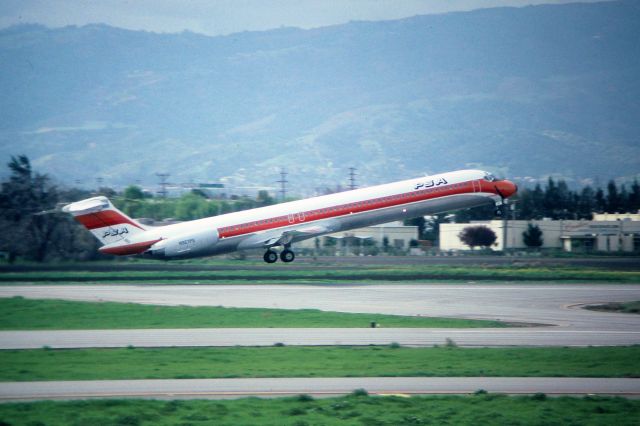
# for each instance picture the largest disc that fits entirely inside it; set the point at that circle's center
(360, 392)
(305, 398)
(539, 396)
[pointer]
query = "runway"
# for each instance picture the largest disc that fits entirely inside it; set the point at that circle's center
(276, 387)
(483, 337)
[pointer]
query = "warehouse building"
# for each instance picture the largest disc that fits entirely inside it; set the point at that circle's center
(398, 236)
(606, 233)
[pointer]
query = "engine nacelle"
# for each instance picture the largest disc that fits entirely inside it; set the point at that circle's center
(186, 245)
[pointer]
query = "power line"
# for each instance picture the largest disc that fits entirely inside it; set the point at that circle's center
(352, 178)
(283, 183)
(163, 184)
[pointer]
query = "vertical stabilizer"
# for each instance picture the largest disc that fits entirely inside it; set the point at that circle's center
(108, 224)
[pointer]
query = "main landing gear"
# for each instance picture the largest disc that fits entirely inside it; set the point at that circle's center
(286, 256)
(270, 256)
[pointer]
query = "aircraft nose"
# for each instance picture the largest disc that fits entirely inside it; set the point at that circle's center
(507, 188)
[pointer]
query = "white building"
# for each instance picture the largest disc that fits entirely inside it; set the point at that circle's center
(570, 235)
(398, 236)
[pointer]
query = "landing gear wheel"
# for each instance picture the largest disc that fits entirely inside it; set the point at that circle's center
(287, 256)
(270, 256)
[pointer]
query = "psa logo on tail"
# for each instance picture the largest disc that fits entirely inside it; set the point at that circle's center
(108, 224)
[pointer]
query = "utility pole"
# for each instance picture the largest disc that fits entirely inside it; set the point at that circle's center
(283, 184)
(352, 178)
(163, 184)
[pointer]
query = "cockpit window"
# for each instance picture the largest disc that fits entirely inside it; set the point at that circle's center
(489, 177)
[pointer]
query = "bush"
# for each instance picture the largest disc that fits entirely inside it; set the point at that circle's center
(128, 421)
(305, 398)
(360, 392)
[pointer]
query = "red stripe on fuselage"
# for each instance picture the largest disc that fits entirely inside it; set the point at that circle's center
(103, 219)
(356, 207)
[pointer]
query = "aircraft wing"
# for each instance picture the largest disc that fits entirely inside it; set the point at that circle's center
(286, 236)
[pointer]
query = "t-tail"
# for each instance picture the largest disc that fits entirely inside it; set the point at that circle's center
(108, 224)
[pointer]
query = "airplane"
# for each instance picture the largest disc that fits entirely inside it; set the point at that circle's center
(284, 224)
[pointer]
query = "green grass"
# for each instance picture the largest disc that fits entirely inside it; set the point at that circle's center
(626, 307)
(295, 361)
(399, 272)
(485, 409)
(17, 313)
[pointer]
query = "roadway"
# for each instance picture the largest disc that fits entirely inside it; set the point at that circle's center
(557, 305)
(275, 387)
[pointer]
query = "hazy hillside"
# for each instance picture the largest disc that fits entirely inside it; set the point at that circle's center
(530, 91)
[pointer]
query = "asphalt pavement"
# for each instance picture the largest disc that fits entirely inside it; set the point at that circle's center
(274, 387)
(485, 337)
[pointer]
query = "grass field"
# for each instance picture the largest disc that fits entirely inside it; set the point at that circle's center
(325, 274)
(295, 361)
(17, 313)
(482, 409)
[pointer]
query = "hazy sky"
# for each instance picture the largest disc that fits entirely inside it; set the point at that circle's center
(215, 17)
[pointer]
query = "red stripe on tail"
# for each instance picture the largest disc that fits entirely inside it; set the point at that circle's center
(128, 249)
(103, 219)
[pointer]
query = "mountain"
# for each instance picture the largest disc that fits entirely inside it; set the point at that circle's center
(529, 92)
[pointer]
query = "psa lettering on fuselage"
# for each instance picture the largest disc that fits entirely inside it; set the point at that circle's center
(431, 183)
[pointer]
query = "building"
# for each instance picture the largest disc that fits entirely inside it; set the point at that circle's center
(398, 236)
(609, 233)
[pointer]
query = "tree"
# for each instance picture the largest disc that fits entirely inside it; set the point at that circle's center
(613, 199)
(200, 193)
(432, 227)
(133, 192)
(477, 213)
(24, 231)
(477, 236)
(419, 222)
(600, 202)
(263, 198)
(586, 203)
(532, 236)
(634, 197)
